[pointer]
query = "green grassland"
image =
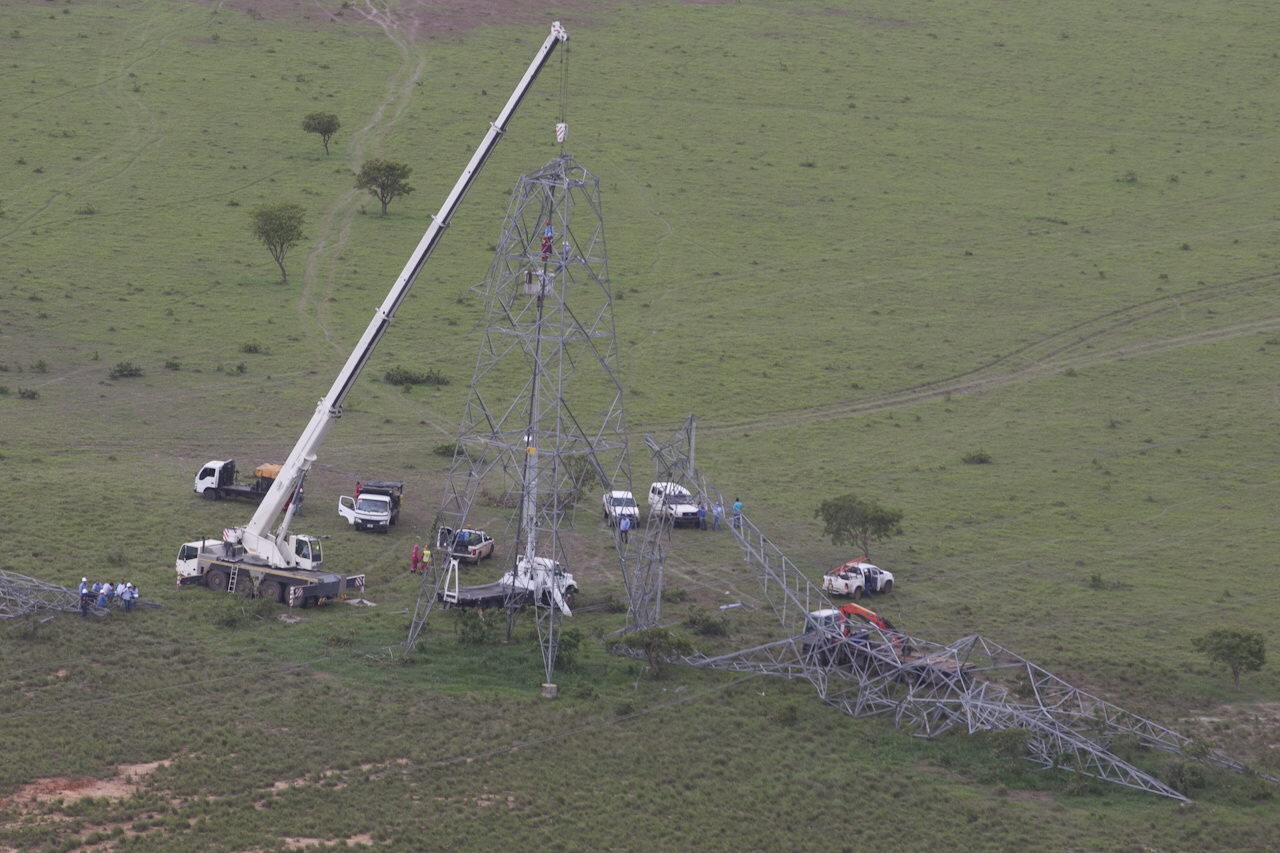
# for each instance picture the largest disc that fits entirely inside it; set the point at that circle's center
(858, 241)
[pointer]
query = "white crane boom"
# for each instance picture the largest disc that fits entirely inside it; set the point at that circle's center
(255, 536)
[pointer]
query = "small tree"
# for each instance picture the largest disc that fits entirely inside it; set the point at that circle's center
(1240, 651)
(657, 643)
(279, 227)
(385, 180)
(851, 520)
(325, 124)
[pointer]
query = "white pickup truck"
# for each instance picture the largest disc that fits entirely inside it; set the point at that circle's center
(857, 578)
(618, 504)
(674, 502)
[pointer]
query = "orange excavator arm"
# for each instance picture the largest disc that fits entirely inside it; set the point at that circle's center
(857, 610)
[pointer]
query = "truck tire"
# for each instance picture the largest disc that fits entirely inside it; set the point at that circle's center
(216, 579)
(208, 494)
(857, 593)
(269, 590)
(886, 587)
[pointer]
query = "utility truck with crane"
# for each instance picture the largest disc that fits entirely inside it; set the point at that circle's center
(254, 559)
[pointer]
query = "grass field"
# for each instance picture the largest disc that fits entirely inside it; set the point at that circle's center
(858, 241)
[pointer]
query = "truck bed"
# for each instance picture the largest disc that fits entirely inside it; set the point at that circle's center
(485, 596)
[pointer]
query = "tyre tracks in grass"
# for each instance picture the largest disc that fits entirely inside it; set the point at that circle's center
(115, 64)
(1082, 344)
(320, 279)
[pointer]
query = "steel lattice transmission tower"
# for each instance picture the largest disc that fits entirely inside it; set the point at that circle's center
(544, 418)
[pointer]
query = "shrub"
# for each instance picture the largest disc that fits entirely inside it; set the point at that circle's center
(567, 648)
(234, 616)
(404, 376)
(172, 365)
(474, 628)
(340, 639)
(124, 369)
(675, 595)
(445, 450)
(1182, 775)
(251, 348)
(702, 622)
(28, 393)
(1009, 744)
(977, 457)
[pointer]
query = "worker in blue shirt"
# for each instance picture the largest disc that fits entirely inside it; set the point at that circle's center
(737, 512)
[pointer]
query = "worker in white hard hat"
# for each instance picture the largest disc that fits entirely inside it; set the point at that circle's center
(84, 585)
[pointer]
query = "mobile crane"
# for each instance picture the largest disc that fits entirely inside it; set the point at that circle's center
(253, 559)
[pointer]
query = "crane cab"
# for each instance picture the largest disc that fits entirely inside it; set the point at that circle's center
(306, 552)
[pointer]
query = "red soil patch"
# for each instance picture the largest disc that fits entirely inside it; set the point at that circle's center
(128, 779)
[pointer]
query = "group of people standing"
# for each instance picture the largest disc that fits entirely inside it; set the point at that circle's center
(717, 518)
(717, 515)
(106, 594)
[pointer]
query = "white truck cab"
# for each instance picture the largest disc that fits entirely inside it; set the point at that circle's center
(547, 579)
(367, 512)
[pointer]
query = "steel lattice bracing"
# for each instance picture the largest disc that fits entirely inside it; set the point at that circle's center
(24, 596)
(972, 684)
(642, 572)
(544, 423)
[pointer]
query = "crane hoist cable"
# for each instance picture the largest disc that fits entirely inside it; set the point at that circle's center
(562, 121)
